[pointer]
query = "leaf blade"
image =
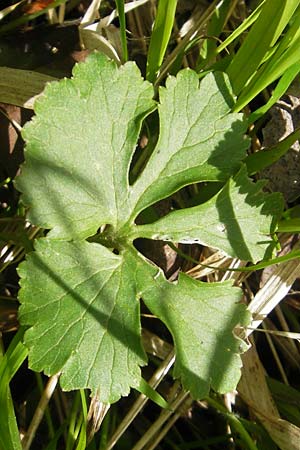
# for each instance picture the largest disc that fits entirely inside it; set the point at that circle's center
(79, 298)
(79, 147)
(89, 330)
(223, 221)
(189, 151)
(204, 314)
(160, 36)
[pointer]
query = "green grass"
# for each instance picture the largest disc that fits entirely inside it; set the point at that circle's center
(10, 362)
(160, 36)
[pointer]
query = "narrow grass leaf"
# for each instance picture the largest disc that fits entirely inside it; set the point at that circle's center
(21, 87)
(4, 12)
(268, 74)
(122, 20)
(14, 356)
(272, 20)
(160, 36)
(280, 89)
(289, 226)
(72, 417)
(284, 393)
(242, 28)
(283, 59)
(215, 26)
(294, 254)
(236, 424)
(264, 158)
(53, 442)
(10, 362)
(81, 445)
(152, 394)
(9, 432)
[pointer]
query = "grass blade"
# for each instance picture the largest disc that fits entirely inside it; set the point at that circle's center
(15, 355)
(269, 73)
(264, 158)
(148, 391)
(272, 20)
(289, 226)
(9, 433)
(160, 36)
(4, 12)
(215, 27)
(281, 88)
(9, 364)
(242, 28)
(121, 13)
(81, 445)
(235, 423)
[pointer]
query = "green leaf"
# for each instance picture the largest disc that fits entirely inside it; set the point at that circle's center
(223, 221)
(80, 299)
(282, 88)
(247, 22)
(204, 315)
(160, 36)
(10, 362)
(279, 59)
(145, 389)
(122, 19)
(85, 185)
(260, 160)
(84, 318)
(289, 226)
(196, 131)
(80, 146)
(272, 20)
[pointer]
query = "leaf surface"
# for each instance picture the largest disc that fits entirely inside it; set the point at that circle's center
(84, 318)
(236, 221)
(200, 140)
(79, 147)
(204, 316)
(81, 142)
(80, 298)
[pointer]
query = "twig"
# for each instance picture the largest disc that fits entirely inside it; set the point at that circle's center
(39, 412)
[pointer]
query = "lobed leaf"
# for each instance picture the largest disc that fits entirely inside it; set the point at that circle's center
(201, 318)
(223, 221)
(200, 140)
(81, 142)
(79, 147)
(80, 299)
(84, 318)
